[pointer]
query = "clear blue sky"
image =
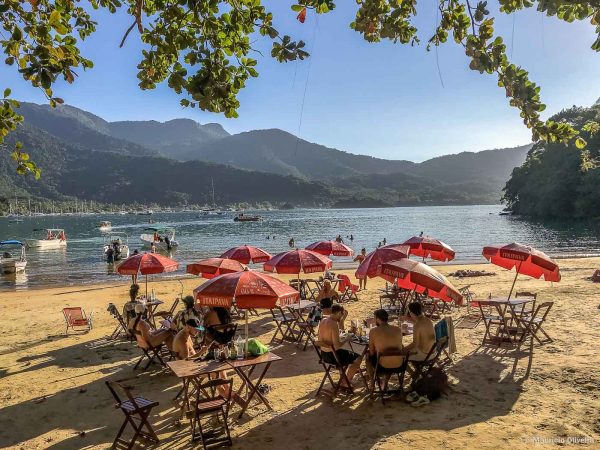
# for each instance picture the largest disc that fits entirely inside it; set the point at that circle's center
(383, 99)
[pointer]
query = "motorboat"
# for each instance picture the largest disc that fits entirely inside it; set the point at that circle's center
(245, 218)
(105, 226)
(163, 238)
(55, 238)
(116, 247)
(9, 262)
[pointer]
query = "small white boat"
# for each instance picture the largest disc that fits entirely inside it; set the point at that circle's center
(55, 238)
(116, 247)
(163, 238)
(105, 226)
(9, 263)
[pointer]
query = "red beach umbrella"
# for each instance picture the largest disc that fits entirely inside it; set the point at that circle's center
(525, 259)
(147, 264)
(296, 261)
(372, 262)
(246, 254)
(328, 248)
(421, 278)
(428, 247)
(250, 290)
(211, 267)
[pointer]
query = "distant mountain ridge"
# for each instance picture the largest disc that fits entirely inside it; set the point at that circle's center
(323, 176)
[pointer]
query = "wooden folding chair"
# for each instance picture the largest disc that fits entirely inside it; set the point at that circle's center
(386, 373)
(237, 312)
(121, 327)
(328, 367)
(420, 369)
(212, 404)
(284, 325)
(533, 324)
(526, 309)
(136, 411)
(170, 313)
(77, 320)
(491, 320)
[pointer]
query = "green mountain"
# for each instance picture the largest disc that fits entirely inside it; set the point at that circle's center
(85, 156)
(111, 177)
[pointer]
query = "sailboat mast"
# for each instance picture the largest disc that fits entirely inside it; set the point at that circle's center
(212, 183)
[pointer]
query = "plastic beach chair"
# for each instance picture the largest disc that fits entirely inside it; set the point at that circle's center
(77, 320)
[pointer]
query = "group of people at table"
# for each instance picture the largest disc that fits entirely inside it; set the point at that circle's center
(180, 333)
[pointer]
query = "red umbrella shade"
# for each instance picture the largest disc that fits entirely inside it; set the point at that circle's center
(527, 260)
(428, 247)
(415, 275)
(250, 289)
(373, 261)
(328, 248)
(211, 267)
(296, 261)
(147, 264)
(246, 254)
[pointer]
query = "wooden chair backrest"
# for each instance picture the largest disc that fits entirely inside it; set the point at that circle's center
(211, 386)
(114, 387)
(526, 294)
(391, 353)
(227, 332)
(72, 314)
(436, 350)
(173, 306)
(542, 310)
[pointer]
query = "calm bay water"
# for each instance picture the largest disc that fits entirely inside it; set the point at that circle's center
(466, 228)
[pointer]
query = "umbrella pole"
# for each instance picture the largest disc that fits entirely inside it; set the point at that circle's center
(146, 286)
(514, 281)
(246, 327)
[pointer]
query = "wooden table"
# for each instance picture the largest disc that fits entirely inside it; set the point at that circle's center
(189, 371)
(507, 311)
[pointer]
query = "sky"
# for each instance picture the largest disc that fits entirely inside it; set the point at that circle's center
(383, 99)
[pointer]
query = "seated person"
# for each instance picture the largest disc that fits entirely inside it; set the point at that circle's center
(384, 337)
(129, 314)
(326, 305)
(423, 333)
(217, 316)
(327, 292)
(183, 344)
(329, 335)
(188, 312)
(145, 336)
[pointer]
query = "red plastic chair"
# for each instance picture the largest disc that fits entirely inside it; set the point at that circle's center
(347, 289)
(77, 320)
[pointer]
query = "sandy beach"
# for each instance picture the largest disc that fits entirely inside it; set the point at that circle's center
(53, 393)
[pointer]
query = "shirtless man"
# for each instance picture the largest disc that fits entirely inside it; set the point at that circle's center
(146, 336)
(423, 333)
(384, 337)
(329, 336)
(326, 304)
(183, 344)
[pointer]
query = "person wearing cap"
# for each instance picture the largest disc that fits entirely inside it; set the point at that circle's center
(384, 337)
(183, 344)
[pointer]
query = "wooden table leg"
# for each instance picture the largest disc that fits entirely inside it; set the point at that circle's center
(253, 388)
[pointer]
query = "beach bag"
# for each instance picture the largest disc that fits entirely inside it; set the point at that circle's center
(433, 385)
(257, 348)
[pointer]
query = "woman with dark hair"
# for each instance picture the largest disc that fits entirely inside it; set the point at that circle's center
(129, 308)
(213, 320)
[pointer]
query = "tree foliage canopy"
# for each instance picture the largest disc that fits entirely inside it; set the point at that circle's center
(203, 48)
(552, 181)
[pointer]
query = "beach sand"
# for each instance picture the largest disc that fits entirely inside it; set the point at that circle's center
(53, 393)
